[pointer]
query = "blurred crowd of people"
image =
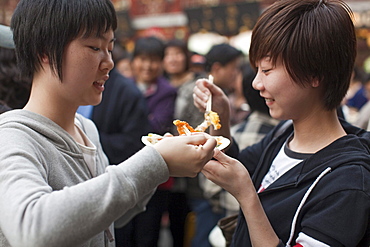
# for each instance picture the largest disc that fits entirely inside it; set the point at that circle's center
(147, 90)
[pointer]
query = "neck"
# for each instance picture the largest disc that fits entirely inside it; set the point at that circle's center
(180, 78)
(314, 133)
(46, 103)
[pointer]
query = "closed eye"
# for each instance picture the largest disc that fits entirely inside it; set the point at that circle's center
(95, 48)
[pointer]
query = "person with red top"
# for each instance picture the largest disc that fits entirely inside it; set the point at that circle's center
(146, 65)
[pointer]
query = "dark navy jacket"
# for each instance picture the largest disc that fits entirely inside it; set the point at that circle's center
(121, 118)
(336, 211)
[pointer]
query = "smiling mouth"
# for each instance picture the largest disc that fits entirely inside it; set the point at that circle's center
(269, 100)
(99, 83)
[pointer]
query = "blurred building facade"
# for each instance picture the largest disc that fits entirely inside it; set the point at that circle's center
(206, 18)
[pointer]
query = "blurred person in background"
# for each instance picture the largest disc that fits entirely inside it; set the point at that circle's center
(147, 70)
(176, 65)
(160, 96)
(363, 116)
(122, 60)
(223, 62)
(238, 103)
(14, 88)
(197, 63)
(357, 96)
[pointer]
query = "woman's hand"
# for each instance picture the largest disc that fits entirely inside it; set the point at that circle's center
(220, 104)
(230, 174)
(186, 155)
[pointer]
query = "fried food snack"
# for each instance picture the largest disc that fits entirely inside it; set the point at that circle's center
(211, 118)
(183, 127)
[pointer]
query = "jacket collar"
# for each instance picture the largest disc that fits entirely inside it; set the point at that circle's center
(350, 149)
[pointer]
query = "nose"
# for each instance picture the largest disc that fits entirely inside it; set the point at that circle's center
(107, 64)
(257, 82)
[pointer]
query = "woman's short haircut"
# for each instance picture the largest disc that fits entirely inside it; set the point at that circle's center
(315, 40)
(45, 27)
(149, 46)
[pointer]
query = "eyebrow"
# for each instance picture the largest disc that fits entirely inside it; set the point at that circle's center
(97, 35)
(103, 38)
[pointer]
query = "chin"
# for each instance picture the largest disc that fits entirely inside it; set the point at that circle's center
(277, 116)
(96, 102)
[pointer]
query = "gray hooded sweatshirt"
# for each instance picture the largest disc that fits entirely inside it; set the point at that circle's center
(48, 196)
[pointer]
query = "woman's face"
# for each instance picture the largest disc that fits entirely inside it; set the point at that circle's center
(285, 98)
(86, 66)
(174, 60)
(146, 69)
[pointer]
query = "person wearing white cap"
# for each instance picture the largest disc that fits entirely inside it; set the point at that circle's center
(6, 37)
(6, 41)
(14, 89)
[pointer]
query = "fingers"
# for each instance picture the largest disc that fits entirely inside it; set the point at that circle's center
(210, 144)
(202, 86)
(220, 156)
(201, 94)
(168, 135)
(212, 171)
(186, 155)
(202, 140)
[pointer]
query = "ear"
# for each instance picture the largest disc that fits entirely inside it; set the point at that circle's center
(216, 67)
(44, 59)
(315, 82)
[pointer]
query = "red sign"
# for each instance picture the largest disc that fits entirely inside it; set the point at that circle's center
(152, 7)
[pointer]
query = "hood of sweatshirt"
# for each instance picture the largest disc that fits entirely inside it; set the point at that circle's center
(352, 149)
(34, 125)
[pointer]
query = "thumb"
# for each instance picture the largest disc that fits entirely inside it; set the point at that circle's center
(221, 156)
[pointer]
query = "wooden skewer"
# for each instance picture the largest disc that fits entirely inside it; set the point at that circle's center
(187, 131)
(209, 102)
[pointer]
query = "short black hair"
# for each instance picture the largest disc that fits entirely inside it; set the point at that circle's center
(221, 53)
(45, 27)
(150, 46)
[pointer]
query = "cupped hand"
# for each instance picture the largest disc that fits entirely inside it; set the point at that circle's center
(230, 174)
(186, 155)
